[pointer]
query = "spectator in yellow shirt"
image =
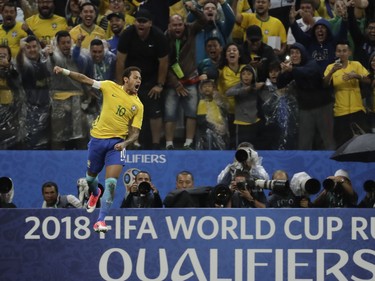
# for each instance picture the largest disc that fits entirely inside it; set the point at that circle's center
(87, 30)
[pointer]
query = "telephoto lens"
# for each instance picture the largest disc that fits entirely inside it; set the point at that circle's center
(6, 184)
(328, 184)
(242, 155)
(144, 188)
(369, 186)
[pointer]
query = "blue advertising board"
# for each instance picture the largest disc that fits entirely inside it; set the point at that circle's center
(188, 244)
(30, 169)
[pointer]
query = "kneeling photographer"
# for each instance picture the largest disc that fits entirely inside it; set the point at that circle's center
(338, 192)
(245, 193)
(143, 194)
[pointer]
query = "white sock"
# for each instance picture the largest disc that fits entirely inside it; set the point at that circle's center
(168, 143)
(188, 142)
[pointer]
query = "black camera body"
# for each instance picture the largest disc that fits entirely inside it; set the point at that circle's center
(244, 185)
(248, 184)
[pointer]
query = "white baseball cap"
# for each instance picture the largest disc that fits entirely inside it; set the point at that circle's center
(342, 173)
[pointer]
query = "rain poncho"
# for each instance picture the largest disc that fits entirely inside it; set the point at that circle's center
(11, 130)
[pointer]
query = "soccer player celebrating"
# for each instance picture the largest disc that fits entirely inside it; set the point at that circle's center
(117, 126)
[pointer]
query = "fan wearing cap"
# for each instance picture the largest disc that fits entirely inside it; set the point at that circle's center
(338, 192)
(257, 53)
(146, 47)
(274, 33)
(116, 10)
(117, 23)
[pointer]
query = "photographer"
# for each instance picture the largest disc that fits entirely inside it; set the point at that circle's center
(245, 195)
(293, 195)
(284, 199)
(53, 199)
(338, 192)
(143, 194)
(246, 159)
(369, 200)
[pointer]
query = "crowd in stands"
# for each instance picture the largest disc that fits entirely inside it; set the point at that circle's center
(279, 74)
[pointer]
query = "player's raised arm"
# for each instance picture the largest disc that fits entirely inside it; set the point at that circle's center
(74, 75)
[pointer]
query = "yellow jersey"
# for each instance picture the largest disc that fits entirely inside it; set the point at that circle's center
(323, 12)
(271, 27)
(96, 33)
(12, 37)
(119, 111)
(227, 79)
(238, 32)
(46, 29)
(348, 97)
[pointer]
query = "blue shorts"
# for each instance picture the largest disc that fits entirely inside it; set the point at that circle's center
(102, 153)
(173, 101)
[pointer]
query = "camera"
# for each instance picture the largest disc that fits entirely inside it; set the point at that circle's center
(248, 184)
(144, 188)
(277, 186)
(241, 185)
(220, 195)
(369, 186)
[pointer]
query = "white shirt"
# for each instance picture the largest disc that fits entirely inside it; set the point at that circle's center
(281, 3)
(290, 40)
(19, 18)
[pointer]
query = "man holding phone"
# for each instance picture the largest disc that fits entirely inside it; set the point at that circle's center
(258, 54)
